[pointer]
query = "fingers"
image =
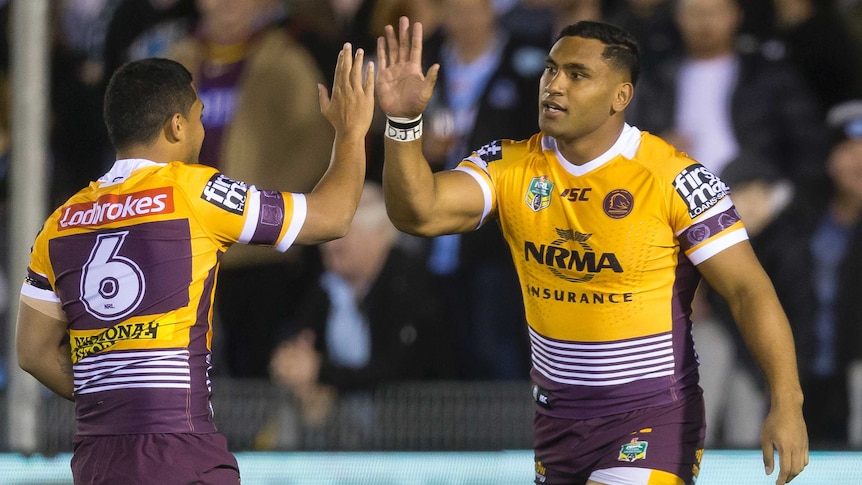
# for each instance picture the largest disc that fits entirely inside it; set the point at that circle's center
(404, 39)
(416, 45)
(343, 65)
(790, 464)
(356, 69)
(403, 46)
(381, 50)
(391, 44)
(369, 80)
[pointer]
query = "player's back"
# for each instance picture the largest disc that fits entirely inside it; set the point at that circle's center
(133, 260)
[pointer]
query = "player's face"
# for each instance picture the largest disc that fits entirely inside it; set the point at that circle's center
(196, 132)
(578, 89)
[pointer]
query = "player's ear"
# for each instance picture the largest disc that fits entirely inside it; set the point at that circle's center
(624, 94)
(175, 128)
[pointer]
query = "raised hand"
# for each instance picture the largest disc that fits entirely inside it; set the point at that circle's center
(402, 90)
(351, 107)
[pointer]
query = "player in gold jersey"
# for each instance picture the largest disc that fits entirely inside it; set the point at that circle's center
(610, 230)
(116, 309)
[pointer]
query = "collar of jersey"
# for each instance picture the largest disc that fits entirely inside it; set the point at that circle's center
(626, 145)
(122, 169)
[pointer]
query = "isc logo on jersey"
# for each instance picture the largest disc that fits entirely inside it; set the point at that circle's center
(117, 207)
(699, 188)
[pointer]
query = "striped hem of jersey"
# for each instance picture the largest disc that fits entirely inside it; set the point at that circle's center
(599, 364)
(133, 369)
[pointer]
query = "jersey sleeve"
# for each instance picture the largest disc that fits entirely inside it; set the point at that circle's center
(37, 283)
(478, 166)
(703, 216)
(236, 212)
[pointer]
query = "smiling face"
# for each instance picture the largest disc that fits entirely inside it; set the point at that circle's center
(581, 93)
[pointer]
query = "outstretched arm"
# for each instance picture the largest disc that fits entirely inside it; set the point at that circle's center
(418, 201)
(42, 347)
(332, 203)
(738, 276)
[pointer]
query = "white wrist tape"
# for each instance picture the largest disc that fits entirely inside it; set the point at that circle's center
(404, 129)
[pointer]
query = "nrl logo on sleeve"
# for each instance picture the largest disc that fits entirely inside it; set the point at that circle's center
(228, 194)
(699, 188)
(539, 193)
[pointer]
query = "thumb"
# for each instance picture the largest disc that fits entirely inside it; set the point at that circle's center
(768, 457)
(431, 78)
(323, 96)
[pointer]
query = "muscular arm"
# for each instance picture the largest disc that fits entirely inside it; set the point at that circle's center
(423, 203)
(41, 343)
(418, 201)
(737, 275)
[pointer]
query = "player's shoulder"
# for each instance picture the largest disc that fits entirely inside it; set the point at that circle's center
(506, 151)
(660, 157)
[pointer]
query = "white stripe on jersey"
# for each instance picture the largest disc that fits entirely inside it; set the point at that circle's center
(300, 211)
(125, 370)
(39, 293)
(252, 205)
(486, 192)
(603, 363)
(718, 245)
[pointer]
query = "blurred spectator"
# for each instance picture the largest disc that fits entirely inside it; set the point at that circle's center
(371, 318)
(829, 235)
(821, 47)
(486, 88)
(651, 22)
(732, 384)
(264, 126)
(146, 28)
(715, 101)
(812, 252)
(80, 149)
(851, 12)
(539, 21)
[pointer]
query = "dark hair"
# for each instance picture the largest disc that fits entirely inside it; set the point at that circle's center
(141, 96)
(622, 50)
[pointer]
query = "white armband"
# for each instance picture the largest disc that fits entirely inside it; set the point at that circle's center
(404, 129)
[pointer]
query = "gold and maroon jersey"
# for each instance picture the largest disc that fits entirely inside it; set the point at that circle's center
(133, 259)
(606, 255)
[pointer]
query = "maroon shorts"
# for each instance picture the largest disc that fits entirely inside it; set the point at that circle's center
(668, 438)
(157, 458)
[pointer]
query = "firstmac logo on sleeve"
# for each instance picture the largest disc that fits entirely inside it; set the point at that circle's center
(117, 207)
(226, 193)
(699, 188)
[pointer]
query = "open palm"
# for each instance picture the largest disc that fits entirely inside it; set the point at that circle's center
(402, 89)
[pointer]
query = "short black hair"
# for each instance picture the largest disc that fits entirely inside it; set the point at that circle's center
(141, 96)
(622, 49)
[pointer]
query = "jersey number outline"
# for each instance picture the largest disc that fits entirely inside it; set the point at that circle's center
(112, 286)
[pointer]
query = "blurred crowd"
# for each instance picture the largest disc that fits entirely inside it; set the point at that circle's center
(766, 93)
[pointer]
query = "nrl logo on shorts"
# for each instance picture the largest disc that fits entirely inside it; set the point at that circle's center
(539, 193)
(633, 450)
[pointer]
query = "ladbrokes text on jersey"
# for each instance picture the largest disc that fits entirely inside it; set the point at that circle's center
(117, 207)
